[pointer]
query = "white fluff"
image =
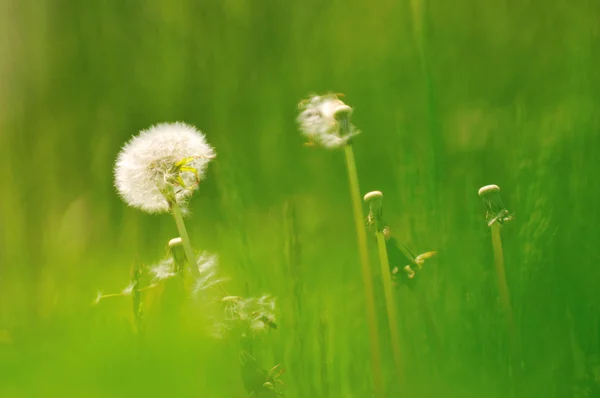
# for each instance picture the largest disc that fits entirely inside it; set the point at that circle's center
(320, 118)
(146, 166)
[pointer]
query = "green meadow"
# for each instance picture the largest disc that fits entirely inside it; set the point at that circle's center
(448, 96)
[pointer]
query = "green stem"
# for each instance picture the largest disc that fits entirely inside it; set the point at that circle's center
(185, 239)
(391, 308)
(366, 270)
(505, 299)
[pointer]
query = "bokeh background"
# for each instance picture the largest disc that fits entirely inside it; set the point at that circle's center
(450, 96)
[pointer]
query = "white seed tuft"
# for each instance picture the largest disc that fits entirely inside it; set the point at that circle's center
(322, 119)
(166, 159)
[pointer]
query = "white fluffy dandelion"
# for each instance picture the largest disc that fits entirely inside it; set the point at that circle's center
(324, 120)
(165, 162)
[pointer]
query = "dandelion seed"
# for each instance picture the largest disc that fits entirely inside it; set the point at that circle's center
(229, 299)
(128, 290)
(163, 270)
(99, 296)
(325, 119)
(207, 264)
(207, 261)
(206, 282)
(163, 163)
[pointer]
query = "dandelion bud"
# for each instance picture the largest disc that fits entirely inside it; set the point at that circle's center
(373, 195)
(496, 212)
(178, 254)
(175, 242)
(374, 199)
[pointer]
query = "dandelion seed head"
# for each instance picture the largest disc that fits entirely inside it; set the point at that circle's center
(257, 312)
(165, 156)
(252, 314)
(321, 118)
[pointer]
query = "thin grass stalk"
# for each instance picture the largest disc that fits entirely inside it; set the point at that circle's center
(391, 308)
(366, 270)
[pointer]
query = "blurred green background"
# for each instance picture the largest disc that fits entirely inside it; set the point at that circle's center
(450, 96)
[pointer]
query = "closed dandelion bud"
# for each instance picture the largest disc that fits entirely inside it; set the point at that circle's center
(495, 210)
(177, 252)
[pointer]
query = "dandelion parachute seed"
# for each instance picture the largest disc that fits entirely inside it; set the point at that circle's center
(163, 270)
(163, 163)
(208, 277)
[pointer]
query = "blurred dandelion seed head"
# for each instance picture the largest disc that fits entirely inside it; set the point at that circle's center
(325, 120)
(256, 314)
(166, 160)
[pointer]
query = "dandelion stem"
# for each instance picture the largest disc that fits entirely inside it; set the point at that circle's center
(366, 270)
(505, 298)
(391, 308)
(185, 239)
